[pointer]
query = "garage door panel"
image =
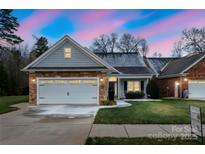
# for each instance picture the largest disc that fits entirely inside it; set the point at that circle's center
(197, 89)
(68, 91)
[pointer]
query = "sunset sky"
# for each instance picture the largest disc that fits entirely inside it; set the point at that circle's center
(161, 28)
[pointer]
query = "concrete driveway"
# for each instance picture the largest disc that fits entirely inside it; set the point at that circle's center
(18, 128)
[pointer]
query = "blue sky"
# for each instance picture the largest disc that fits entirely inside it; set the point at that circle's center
(161, 28)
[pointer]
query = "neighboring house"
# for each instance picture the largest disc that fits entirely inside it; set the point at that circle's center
(178, 75)
(70, 74)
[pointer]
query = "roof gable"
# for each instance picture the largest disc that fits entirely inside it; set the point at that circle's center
(158, 63)
(179, 66)
(80, 58)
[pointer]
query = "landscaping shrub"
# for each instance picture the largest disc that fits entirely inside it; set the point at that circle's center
(134, 95)
(152, 89)
(108, 102)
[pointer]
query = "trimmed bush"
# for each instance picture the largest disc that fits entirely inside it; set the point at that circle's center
(134, 95)
(152, 89)
(108, 102)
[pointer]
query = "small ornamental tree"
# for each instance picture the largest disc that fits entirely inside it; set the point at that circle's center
(152, 89)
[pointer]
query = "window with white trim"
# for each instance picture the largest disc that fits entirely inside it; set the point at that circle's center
(67, 53)
(133, 86)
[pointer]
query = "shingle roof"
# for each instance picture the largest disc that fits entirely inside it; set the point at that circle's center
(157, 63)
(126, 63)
(176, 67)
(135, 70)
(122, 59)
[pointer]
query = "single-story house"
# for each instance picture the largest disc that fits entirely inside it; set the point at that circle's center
(180, 74)
(68, 73)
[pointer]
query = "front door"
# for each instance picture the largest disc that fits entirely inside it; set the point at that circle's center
(111, 91)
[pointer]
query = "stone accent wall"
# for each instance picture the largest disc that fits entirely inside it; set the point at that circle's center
(167, 85)
(33, 79)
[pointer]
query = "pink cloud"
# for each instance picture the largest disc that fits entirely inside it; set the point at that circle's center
(96, 15)
(164, 46)
(104, 27)
(181, 20)
(37, 20)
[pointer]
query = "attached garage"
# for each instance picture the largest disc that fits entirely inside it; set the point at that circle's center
(82, 91)
(197, 89)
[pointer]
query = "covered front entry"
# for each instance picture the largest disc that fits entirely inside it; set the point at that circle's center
(126, 84)
(67, 91)
(197, 89)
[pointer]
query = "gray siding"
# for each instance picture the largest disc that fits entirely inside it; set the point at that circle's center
(56, 58)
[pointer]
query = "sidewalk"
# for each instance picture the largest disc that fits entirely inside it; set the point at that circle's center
(140, 130)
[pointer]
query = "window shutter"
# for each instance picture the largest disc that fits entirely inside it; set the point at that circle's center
(125, 85)
(142, 86)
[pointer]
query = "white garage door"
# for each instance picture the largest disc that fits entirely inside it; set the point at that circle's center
(197, 89)
(68, 91)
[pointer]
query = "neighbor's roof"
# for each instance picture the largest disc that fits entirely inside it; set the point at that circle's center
(179, 66)
(157, 63)
(126, 63)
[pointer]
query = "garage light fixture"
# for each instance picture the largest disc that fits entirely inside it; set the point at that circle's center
(33, 80)
(176, 83)
(101, 79)
(185, 79)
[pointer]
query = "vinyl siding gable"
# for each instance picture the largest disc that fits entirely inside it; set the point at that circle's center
(55, 59)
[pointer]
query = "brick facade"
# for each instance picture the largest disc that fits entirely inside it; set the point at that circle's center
(167, 85)
(33, 87)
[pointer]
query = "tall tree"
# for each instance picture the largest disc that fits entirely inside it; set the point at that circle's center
(128, 43)
(8, 27)
(40, 47)
(192, 41)
(105, 43)
(3, 80)
(156, 54)
(177, 50)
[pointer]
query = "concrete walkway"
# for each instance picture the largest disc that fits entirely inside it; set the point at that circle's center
(140, 130)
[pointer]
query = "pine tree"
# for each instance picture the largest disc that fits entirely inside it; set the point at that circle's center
(3, 80)
(39, 47)
(8, 27)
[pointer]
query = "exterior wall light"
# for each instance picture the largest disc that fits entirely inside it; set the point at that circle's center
(33, 80)
(176, 83)
(101, 79)
(185, 79)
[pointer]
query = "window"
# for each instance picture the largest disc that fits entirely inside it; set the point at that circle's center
(67, 53)
(133, 86)
(112, 79)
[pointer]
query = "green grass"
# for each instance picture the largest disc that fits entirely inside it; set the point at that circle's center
(6, 101)
(164, 112)
(140, 141)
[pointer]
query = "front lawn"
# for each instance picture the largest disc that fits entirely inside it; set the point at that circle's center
(140, 141)
(6, 101)
(163, 112)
